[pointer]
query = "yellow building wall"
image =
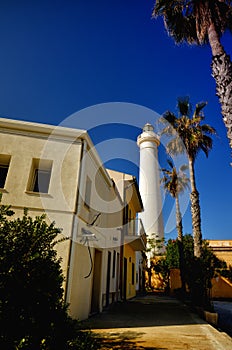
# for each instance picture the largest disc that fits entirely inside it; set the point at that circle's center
(129, 254)
(225, 256)
(222, 249)
(175, 280)
(221, 288)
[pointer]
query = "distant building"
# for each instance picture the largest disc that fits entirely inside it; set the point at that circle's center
(222, 287)
(222, 249)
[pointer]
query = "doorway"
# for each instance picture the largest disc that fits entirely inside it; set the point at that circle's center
(108, 279)
(125, 278)
(96, 289)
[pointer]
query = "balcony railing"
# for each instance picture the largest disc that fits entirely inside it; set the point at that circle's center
(135, 232)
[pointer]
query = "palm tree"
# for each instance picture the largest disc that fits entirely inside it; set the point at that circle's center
(190, 137)
(200, 22)
(175, 182)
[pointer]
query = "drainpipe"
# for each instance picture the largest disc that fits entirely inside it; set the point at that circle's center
(80, 187)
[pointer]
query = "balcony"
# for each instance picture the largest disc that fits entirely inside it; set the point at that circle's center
(135, 235)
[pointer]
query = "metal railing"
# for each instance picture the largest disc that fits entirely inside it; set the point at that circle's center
(135, 228)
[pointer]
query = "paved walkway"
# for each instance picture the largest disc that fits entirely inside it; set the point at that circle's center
(155, 323)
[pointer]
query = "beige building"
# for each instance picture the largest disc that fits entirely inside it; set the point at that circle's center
(133, 235)
(57, 170)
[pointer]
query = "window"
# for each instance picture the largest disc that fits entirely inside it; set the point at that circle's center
(4, 166)
(88, 192)
(40, 175)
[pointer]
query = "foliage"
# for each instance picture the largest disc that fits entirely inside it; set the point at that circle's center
(190, 20)
(175, 182)
(155, 245)
(33, 314)
(226, 272)
(202, 22)
(190, 136)
(198, 271)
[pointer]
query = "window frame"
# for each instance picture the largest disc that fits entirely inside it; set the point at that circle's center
(38, 168)
(4, 164)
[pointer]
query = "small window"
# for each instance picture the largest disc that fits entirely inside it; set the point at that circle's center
(4, 166)
(88, 192)
(41, 174)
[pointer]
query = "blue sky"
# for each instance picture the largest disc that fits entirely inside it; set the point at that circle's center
(106, 63)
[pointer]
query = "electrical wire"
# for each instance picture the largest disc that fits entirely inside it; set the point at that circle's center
(91, 260)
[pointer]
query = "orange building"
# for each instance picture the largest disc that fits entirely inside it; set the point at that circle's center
(222, 249)
(221, 286)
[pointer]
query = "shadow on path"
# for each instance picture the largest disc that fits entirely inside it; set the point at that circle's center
(122, 341)
(148, 311)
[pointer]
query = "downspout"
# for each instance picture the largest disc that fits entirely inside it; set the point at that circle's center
(75, 220)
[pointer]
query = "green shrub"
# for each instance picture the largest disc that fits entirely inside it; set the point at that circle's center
(198, 272)
(33, 314)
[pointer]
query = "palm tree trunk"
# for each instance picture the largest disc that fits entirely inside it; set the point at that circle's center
(222, 73)
(196, 212)
(179, 227)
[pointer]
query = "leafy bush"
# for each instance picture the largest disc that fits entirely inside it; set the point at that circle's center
(33, 314)
(198, 272)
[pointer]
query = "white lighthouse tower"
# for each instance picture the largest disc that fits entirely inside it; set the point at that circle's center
(149, 186)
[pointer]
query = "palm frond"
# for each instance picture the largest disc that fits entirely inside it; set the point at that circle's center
(184, 167)
(188, 21)
(169, 117)
(175, 146)
(207, 129)
(198, 109)
(189, 135)
(174, 181)
(170, 163)
(184, 106)
(168, 130)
